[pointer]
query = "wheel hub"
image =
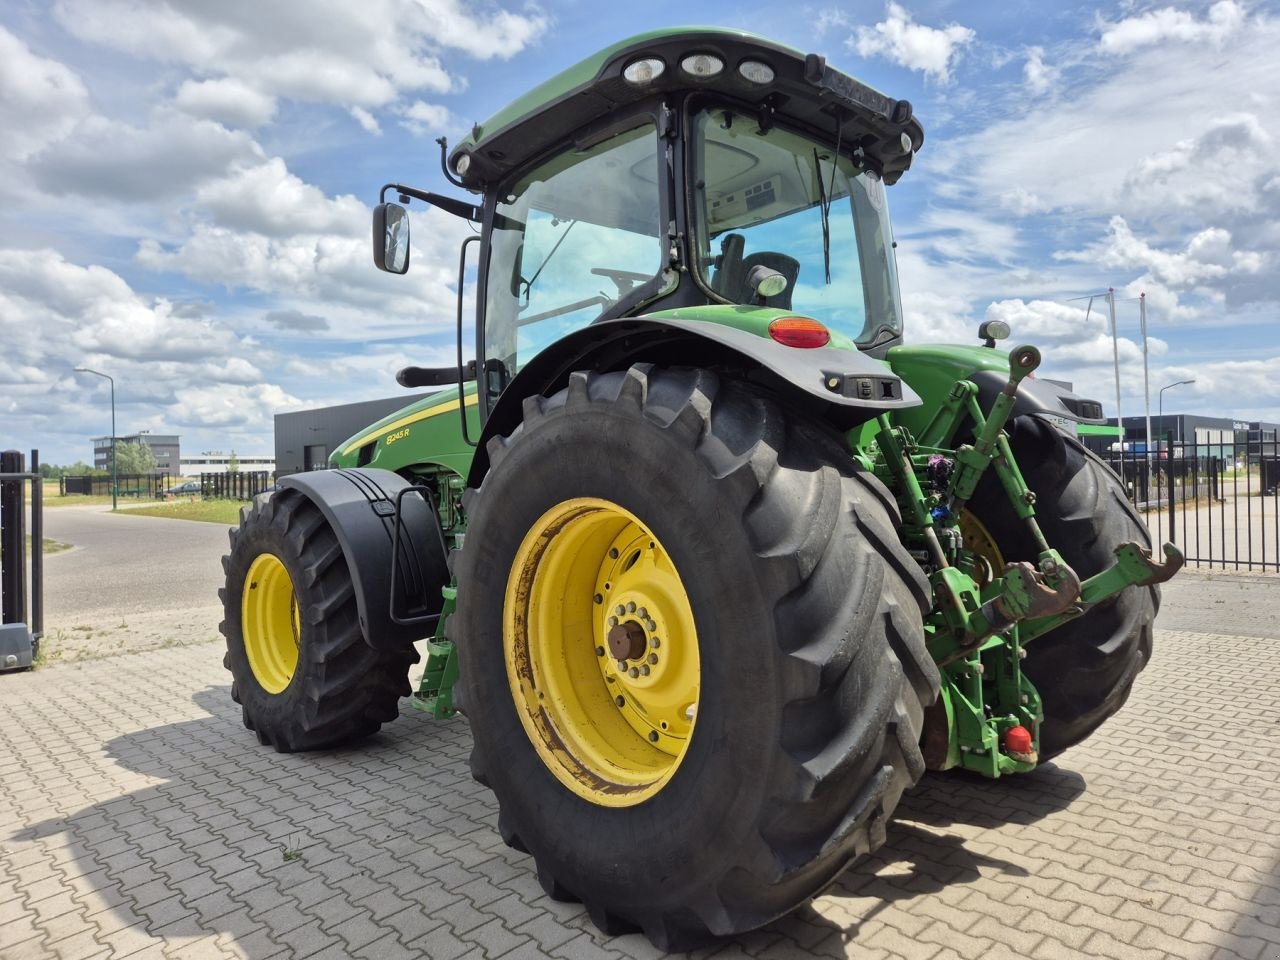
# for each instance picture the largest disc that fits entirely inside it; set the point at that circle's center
(591, 584)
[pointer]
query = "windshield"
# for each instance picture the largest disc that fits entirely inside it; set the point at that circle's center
(778, 199)
(572, 238)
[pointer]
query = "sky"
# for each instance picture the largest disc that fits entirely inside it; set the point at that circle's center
(186, 190)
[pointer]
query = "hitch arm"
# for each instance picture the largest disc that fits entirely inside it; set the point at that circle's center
(1134, 567)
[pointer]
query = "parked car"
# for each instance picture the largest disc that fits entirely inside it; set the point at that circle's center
(187, 486)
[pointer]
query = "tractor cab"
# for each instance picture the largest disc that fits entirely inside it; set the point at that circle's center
(678, 169)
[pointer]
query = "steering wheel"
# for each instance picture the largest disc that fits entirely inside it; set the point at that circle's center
(625, 279)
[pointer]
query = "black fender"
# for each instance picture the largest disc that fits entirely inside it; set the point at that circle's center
(843, 387)
(1037, 396)
(360, 505)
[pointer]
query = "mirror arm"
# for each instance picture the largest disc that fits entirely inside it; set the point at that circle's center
(459, 208)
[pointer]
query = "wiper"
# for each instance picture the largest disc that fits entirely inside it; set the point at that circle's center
(824, 209)
(528, 284)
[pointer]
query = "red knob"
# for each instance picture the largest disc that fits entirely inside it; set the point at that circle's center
(1018, 740)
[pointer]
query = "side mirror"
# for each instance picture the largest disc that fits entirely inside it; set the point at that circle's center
(391, 238)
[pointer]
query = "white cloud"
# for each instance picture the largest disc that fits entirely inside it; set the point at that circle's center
(1209, 256)
(424, 119)
(115, 160)
(1169, 24)
(226, 100)
(367, 120)
(266, 198)
(40, 99)
(328, 51)
(912, 45)
(1040, 77)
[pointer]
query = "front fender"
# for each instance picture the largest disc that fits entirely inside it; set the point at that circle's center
(360, 505)
(844, 387)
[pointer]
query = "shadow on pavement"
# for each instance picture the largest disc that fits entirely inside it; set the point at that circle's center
(392, 840)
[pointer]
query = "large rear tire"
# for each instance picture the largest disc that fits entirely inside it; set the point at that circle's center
(302, 673)
(1084, 669)
(778, 588)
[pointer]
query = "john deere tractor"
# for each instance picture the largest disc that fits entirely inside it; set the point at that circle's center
(715, 564)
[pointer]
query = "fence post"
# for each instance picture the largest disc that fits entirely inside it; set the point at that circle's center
(13, 542)
(1169, 461)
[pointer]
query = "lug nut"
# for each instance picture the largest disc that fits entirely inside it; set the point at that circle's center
(598, 598)
(599, 651)
(620, 610)
(691, 711)
(644, 670)
(655, 642)
(622, 666)
(653, 657)
(613, 621)
(613, 553)
(631, 607)
(651, 626)
(653, 736)
(620, 701)
(643, 613)
(633, 672)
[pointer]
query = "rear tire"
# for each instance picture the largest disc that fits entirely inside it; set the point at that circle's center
(809, 635)
(332, 688)
(1084, 669)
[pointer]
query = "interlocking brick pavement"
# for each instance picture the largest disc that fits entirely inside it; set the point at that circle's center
(139, 819)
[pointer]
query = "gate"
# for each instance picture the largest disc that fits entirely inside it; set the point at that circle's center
(21, 624)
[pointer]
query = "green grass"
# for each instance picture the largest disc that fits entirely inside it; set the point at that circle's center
(50, 546)
(210, 511)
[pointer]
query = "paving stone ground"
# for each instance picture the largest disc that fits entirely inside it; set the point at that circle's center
(139, 819)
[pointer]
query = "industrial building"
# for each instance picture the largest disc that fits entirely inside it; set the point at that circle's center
(219, 461)
(164, 447)
(305, 438)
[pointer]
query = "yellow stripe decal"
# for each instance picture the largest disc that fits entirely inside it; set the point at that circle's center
(435, 411)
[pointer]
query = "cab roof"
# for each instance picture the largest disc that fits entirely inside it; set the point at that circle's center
(804, 92)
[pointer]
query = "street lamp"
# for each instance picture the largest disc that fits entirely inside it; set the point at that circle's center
(1178, 383)
(114, 484)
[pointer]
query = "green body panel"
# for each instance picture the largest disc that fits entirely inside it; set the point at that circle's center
(932, 369)
(423, 434)
(581, 75)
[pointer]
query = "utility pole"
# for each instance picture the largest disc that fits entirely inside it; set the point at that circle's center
(1146, 385)
(1115, 354)
(115, 487)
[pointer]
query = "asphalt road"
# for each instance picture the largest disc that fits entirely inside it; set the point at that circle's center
(124, 565)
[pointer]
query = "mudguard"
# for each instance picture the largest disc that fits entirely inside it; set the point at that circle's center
(845, 387)
(361, 507)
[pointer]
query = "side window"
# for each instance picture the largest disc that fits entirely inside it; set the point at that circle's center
(572, 237)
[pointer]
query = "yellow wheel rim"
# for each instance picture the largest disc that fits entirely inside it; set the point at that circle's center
(601, 652)
(269, 623)
(978, 540)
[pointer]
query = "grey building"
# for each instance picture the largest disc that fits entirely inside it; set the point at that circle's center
(1196, 435)
(305, 439)
(164, 447)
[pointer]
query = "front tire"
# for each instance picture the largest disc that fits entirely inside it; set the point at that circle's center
(803, 637)
(302, 673)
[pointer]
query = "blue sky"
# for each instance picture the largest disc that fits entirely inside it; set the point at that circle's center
(185, 190)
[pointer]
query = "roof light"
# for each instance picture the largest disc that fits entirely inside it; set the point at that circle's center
(756, 72)
(462, 164)
(799, 332)
(641, 73)
(701, 65)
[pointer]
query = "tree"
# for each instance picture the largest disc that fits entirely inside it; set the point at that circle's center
(134, 458)
(233, 463)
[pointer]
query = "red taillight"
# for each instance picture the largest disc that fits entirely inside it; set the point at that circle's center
(799, 332)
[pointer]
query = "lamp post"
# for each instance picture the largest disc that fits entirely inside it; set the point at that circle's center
(1177, 383)
(114, 484)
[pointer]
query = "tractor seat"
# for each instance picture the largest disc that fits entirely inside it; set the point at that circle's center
(732, 268)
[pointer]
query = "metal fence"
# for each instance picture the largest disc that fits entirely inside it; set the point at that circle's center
(151, 486)
(241, 485)
(1220, 501)
(21, 612)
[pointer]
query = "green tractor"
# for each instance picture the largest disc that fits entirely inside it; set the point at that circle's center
(719, 565)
